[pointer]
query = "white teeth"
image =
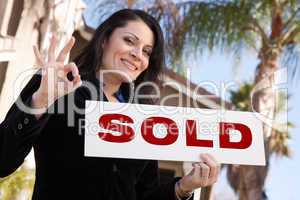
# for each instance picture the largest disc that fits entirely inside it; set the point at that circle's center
(130, 66)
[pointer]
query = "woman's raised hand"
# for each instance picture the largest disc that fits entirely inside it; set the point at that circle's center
(54, 82)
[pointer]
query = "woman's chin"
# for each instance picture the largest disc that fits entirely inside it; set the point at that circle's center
(127, 77)
(127, 80)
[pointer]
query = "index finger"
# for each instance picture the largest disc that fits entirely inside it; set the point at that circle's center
(64, 52)
(39, 58)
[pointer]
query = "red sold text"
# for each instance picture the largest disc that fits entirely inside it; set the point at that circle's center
(107, 122)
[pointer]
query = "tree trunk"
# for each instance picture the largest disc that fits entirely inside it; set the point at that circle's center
(252, 178)
(248, 181)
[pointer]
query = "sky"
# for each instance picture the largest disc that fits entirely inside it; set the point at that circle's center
(220, 68)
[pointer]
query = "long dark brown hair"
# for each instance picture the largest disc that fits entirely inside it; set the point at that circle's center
(90, 58)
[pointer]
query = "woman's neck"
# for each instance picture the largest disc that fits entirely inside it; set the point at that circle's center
(111, 84)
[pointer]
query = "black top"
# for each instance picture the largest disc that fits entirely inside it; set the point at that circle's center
(62, 170)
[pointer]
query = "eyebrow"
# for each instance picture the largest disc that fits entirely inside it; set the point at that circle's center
(137, 38)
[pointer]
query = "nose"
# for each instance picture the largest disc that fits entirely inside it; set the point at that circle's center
(136, 53)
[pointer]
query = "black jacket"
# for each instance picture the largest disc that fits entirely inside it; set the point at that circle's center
(62, 170)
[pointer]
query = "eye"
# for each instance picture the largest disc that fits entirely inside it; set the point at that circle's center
(129, 40)
(147, 52)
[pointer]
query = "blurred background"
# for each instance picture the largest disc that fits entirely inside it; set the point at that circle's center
(243, 55)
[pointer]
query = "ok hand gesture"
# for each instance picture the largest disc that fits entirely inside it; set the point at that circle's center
(55, 82)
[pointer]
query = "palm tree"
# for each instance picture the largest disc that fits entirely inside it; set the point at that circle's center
(270, 27)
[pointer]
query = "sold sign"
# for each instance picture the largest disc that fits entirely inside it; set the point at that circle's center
(122, 130)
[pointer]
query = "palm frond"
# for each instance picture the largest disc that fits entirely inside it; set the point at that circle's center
(278, 144)
(195, 26)
(217, 24)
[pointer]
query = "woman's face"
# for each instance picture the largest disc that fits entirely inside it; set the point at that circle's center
(128, 50)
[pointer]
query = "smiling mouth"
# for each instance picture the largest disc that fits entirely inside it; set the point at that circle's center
(128, 64)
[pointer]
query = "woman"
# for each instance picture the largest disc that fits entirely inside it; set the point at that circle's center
(130, 43)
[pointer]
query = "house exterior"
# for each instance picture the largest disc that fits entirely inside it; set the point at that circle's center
(24, 23)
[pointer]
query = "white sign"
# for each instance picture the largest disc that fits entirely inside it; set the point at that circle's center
(123, 130)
